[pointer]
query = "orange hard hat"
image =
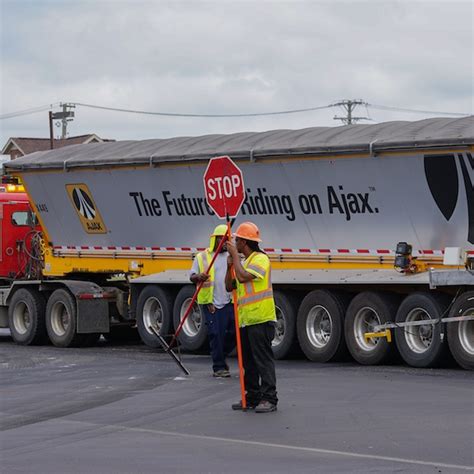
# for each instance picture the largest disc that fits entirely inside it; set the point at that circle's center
(248, 231)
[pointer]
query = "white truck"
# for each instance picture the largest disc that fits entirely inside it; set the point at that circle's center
(370, 230)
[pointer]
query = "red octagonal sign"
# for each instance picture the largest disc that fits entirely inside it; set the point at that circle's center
(224, 187)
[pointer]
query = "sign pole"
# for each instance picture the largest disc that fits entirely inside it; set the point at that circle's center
(225, 193)
(237, 332)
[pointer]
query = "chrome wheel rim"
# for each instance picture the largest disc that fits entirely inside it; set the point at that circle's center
(466, 333)
(418, 338)
(21, 318)
(152, 313)
(365, 321)
(193, 323)
(280, 327)
(60, 319)
(319, 326)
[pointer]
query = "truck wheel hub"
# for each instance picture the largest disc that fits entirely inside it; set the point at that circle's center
(319, 326)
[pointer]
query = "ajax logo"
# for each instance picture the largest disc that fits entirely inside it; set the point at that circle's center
(86, 208)
(83, 203)
(445, 185)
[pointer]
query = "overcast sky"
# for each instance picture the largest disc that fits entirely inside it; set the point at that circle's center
(230, 57)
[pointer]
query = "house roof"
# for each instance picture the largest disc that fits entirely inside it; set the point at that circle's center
(317, 141)
(29, 145)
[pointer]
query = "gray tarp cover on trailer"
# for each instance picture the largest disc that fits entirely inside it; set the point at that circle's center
(429, 133)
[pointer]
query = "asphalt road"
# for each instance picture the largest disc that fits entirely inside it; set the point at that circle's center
(128, 409)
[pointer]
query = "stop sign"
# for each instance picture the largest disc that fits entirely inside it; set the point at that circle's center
(224, 187)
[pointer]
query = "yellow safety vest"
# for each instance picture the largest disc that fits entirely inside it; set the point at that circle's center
(206, 295)
(255, 297)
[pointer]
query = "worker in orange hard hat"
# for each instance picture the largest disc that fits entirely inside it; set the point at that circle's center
(215, 302)
(257, 317)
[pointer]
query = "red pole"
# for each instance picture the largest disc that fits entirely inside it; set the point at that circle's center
(237, 335)
(198, 289)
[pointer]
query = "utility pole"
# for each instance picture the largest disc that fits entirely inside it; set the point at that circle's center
(349, 106)
(67, 115)
(51, 134)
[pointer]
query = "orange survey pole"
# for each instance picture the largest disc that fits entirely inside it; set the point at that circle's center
(237, 333)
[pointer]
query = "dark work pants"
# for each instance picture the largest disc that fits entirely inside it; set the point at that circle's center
(221, 334)
(257, 354)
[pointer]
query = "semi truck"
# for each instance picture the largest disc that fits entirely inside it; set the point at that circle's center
(369, 228)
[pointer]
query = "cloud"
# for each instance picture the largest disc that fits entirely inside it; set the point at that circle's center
(230, 57)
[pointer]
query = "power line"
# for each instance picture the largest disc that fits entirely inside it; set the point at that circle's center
(346, 103)
(416, 111)
(173, 114)
(32, 110)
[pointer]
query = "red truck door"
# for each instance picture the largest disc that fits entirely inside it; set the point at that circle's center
(16, 220)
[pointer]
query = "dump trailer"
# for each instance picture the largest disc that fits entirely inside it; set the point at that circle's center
(369, 228)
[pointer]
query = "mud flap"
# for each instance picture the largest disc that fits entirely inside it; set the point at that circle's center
(92, 316)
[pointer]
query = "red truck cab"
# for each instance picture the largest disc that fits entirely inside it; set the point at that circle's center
(17, 223)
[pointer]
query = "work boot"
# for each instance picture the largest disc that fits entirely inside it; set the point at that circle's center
(223, 374)
(238, 406)
(265, 407)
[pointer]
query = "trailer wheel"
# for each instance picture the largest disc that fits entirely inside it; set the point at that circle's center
(461, 334)
(154, 306)
(285, 340)
(367, 310)
(61, 320)
(193, 335)
(321, 326)
(425, 345)
(26, 317)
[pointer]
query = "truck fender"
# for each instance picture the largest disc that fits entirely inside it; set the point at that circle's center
(92, 304)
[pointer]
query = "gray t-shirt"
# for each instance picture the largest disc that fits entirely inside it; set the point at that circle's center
(221, 295)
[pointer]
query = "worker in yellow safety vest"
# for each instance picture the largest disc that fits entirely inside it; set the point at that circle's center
(215, 302)
(257, 317)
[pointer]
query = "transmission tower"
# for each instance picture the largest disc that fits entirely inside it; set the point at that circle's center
(349, 106)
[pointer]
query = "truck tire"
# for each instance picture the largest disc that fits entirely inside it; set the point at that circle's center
(26, 317)
(461, 334)
(422, 346)
(320, 326)
(193, 335)
(365, 311)
(155, 305)
(61, 320)
(285, 341)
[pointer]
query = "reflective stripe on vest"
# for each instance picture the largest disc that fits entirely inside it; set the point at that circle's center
(257, 269)
(206, 295)
(256, 297)
(256, 304)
